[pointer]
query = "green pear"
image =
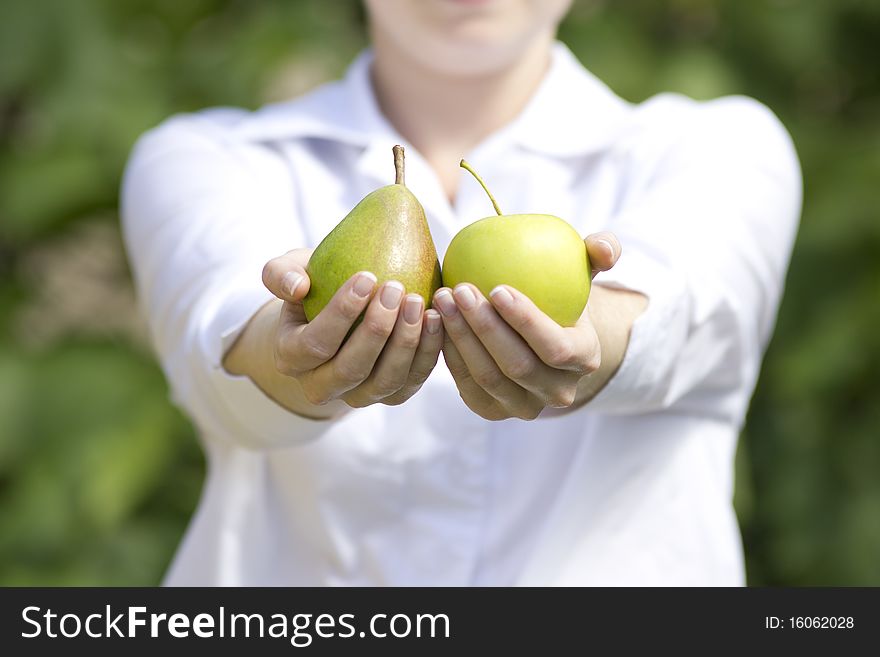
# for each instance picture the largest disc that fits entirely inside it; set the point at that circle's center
(386, 234)
(540, 255)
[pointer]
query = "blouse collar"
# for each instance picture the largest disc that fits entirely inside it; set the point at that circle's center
(572, 113)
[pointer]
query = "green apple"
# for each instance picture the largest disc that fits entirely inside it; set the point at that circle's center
(540, 255)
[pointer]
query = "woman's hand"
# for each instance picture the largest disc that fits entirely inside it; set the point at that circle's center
(310, 368)
(508, 358)
(386, 359)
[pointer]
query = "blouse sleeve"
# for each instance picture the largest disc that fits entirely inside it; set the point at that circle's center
(201, 215)
(707, 237)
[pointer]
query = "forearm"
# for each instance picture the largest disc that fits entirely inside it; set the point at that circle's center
(252, 355)
(612, 312)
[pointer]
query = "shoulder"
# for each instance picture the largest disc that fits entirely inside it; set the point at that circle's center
(735, 129)
(228, 129)
(670, 110)
(228, 148)
(208, 131)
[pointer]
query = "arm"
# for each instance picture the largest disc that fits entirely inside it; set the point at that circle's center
(202, 214)
(708, 236)
(612, 312)
(253, 356)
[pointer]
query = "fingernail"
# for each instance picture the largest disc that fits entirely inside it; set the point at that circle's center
(465, 297)
(610, 248)
(290, 282)
(412, 309)
(364, 284)
(501, 297)
(445, 303)
(392, 293)
(432, 321)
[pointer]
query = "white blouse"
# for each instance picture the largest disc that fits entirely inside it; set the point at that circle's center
(634, 488)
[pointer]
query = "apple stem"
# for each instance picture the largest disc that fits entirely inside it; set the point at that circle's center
(398, 165)
(465, 165)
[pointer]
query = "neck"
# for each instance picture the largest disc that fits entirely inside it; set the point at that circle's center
(445, 116)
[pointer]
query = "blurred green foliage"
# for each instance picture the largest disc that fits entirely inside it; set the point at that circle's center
(99, 473)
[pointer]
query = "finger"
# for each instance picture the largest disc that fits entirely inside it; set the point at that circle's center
(481, 366)
(392, 368)
(318, 341)
(474, 397)
(292, 318)
(355, 360)
(603, 250)
(513, 355)
(425, 359)
(574, 349)
(286, 277)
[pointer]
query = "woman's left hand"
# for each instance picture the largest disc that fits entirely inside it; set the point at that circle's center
(507, 357)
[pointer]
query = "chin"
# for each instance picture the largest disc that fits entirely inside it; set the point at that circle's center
(464, 37)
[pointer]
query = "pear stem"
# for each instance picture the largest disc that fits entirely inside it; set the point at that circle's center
(465, 165)
(398, 165)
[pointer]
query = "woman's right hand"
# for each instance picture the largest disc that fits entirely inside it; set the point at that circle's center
(385, 360)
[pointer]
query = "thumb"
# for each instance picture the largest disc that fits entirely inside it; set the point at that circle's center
(286, 277)
(603, 250)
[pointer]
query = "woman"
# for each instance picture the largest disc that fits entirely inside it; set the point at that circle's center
(365, 463)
